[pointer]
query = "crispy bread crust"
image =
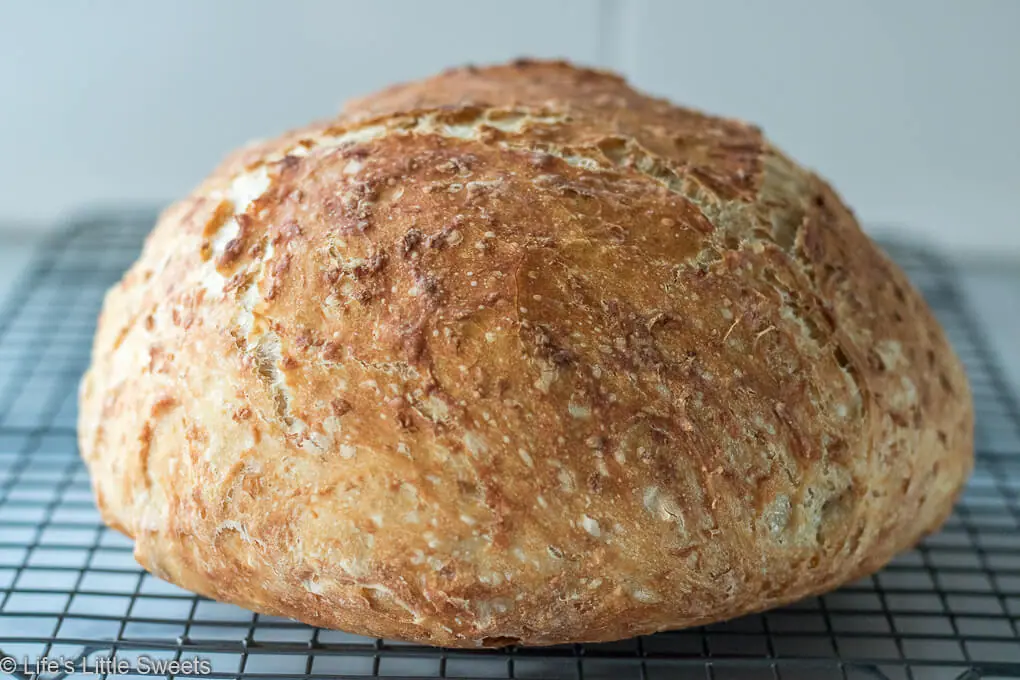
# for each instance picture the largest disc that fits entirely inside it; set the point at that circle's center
(518, 354)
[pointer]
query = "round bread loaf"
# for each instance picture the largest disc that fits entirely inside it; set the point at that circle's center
(518, 355)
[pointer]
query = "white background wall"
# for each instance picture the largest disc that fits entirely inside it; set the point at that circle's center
(911, 107)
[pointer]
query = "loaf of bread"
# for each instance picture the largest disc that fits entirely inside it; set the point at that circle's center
(518, 354)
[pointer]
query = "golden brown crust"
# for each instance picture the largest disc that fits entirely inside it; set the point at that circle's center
(518, 354)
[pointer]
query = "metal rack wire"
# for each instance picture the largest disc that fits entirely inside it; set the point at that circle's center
(69, 588)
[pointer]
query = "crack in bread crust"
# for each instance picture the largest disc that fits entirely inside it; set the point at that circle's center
(518, 354)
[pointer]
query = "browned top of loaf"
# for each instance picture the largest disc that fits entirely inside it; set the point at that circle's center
(518, 353)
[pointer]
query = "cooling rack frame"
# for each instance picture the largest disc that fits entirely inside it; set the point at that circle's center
(70, 591)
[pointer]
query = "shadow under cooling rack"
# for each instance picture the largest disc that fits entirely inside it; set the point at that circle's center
(69, 587)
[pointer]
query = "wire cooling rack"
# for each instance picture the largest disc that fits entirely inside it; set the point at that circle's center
(70, 590)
